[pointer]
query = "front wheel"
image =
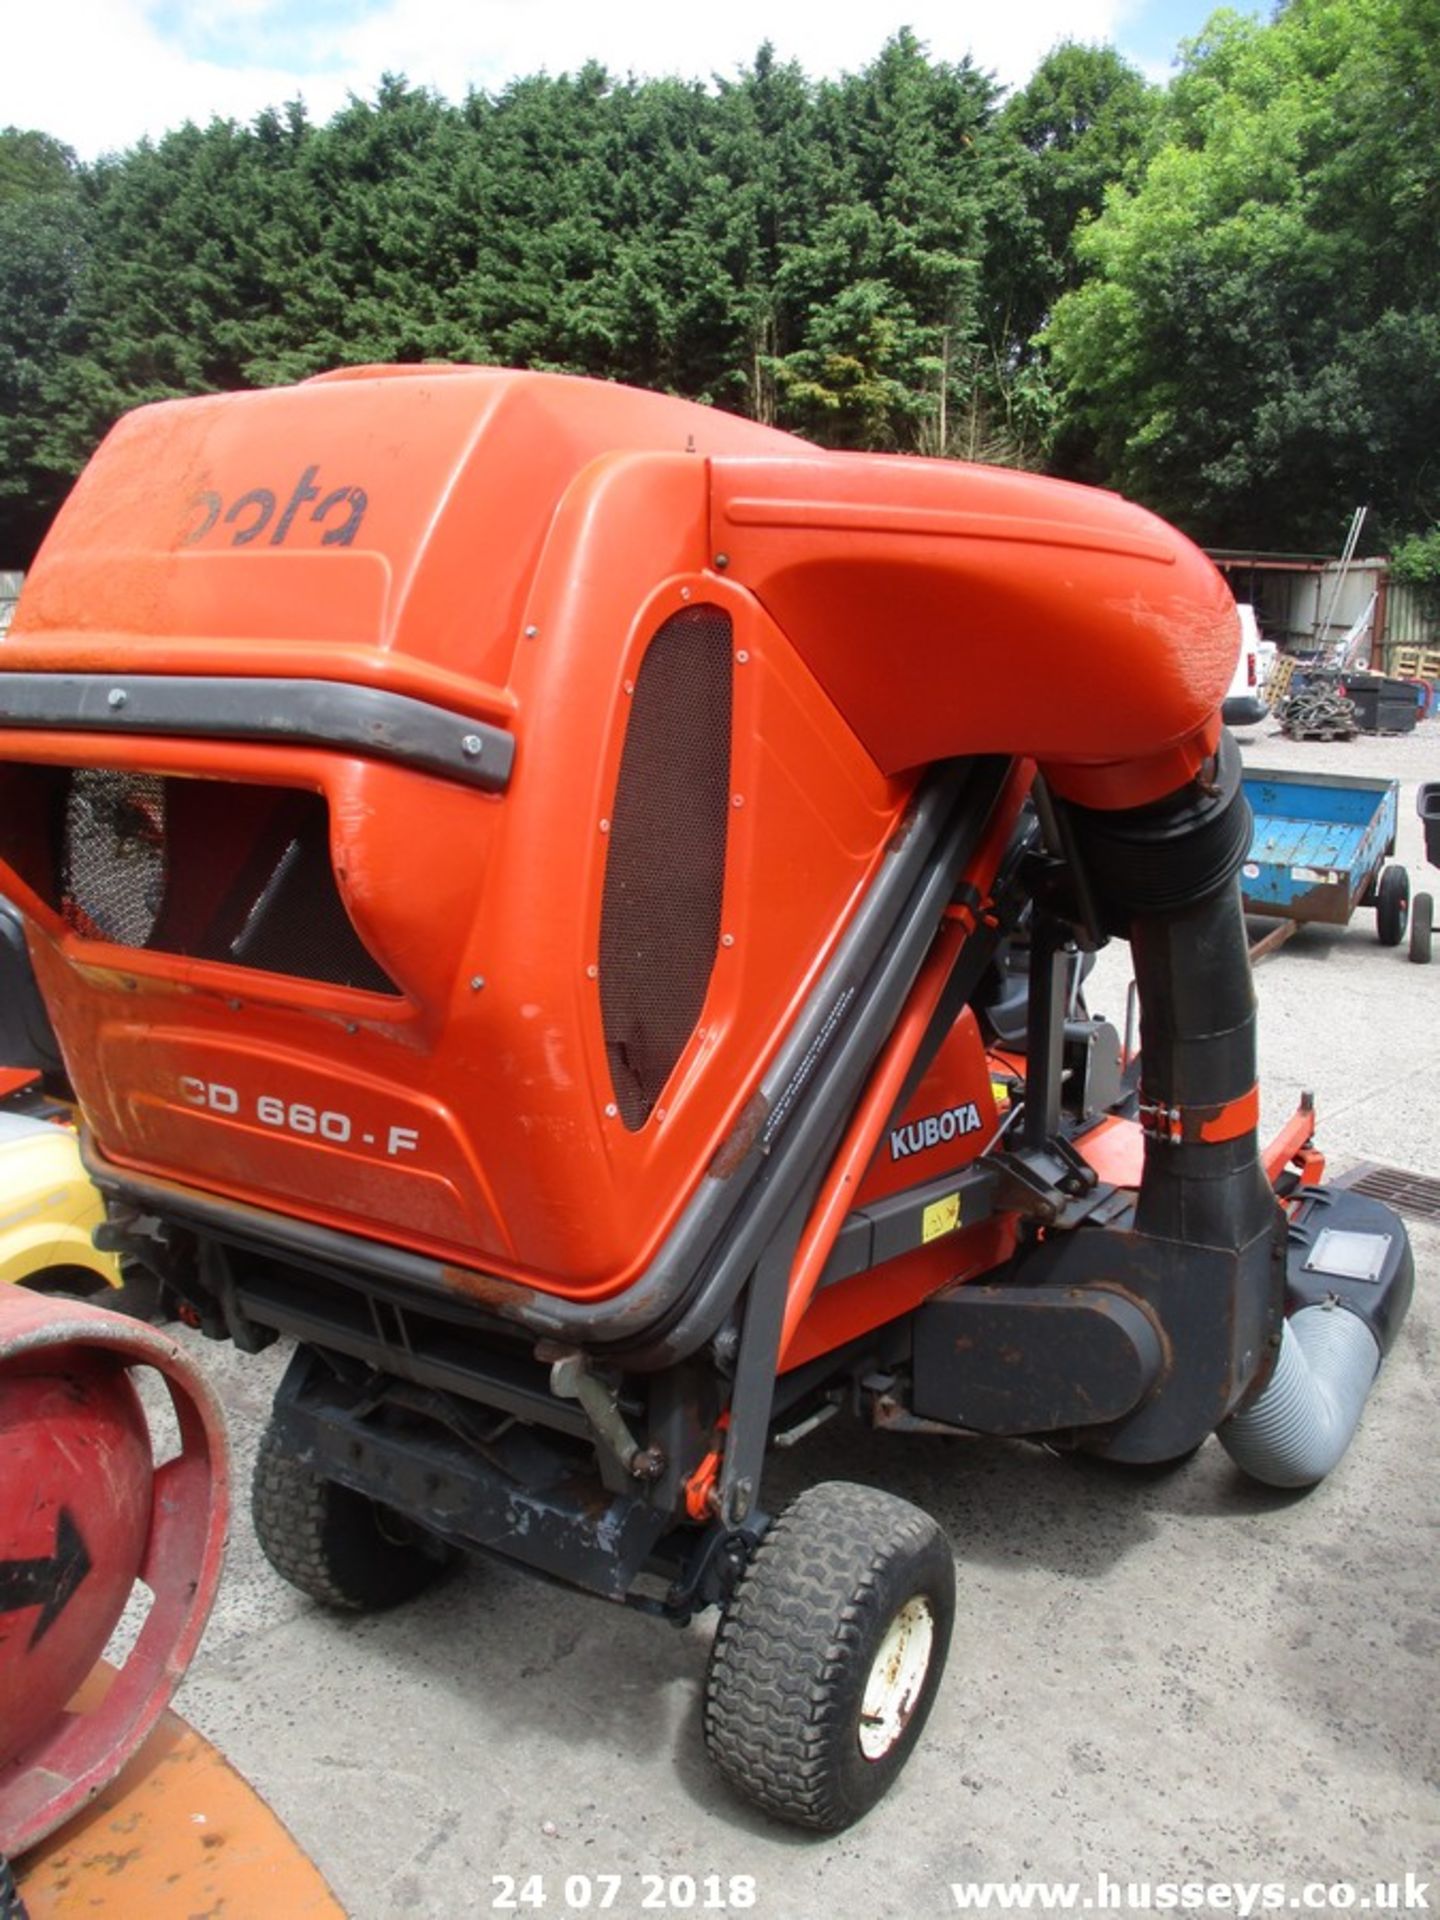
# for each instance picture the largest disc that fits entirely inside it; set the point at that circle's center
(828, 1659)
(337, 1546)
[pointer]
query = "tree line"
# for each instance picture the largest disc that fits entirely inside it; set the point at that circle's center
(1219, 295)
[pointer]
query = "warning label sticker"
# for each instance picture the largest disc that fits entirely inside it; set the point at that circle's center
(941, 1216)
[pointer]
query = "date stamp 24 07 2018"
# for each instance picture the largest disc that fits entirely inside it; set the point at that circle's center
(623, 1894)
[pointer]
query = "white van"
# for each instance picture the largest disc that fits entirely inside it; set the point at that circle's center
(1243, 704)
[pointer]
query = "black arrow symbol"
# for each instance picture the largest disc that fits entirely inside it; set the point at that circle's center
(47, 1584)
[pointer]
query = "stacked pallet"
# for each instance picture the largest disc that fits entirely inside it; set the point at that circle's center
(1277, 682)
(1416, 663)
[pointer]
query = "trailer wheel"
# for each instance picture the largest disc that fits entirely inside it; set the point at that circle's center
(1392, 906)
(1422, 927)
(828, 1658)
(337, 1546)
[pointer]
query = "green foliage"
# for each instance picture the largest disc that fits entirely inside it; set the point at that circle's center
(32, 163)
(812, 255)
(1082, 123)
(1220, 296)
(44, 248)
(1255, 351)
(1416, 562)
(882, 304)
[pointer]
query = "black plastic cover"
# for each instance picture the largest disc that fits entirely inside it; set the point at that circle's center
(1354, 1251)
(27, 1038)
(1013, 1360)
(1383, 705)
(1427, 805)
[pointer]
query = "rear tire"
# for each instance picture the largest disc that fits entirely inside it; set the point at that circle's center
(1422, 928)
(337, 1546)
(1392, 906)
(828, 1658)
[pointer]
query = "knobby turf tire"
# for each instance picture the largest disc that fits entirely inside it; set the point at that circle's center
(337, 1546)
(795, 1647)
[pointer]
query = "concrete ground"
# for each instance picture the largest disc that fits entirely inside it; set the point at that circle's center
(1162, 1680)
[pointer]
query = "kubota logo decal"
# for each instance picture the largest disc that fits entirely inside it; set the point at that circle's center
(340, 512)
(934, 1129)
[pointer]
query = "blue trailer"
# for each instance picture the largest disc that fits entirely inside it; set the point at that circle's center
(1318, 850)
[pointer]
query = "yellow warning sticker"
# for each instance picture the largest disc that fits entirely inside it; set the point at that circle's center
(941, 1216)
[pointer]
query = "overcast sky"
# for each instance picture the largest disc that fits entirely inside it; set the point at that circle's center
(101, 74)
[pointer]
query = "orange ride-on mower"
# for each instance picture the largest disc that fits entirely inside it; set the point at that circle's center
(571, 906)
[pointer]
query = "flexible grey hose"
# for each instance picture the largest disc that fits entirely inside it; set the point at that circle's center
(1293, 1434)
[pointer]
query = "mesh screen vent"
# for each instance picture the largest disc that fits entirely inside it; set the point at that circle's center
(114, 866)
(665, 868)
(207, 869)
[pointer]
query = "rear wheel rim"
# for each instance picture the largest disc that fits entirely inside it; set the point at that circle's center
(897, 1678)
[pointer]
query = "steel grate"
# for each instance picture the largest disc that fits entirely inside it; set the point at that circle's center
(1413, 1193)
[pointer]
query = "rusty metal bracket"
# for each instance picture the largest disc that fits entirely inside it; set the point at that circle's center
(572, 1379)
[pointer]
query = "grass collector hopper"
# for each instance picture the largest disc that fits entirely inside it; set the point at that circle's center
(571, 906)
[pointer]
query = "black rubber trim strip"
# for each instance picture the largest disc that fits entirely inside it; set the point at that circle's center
(303, 713)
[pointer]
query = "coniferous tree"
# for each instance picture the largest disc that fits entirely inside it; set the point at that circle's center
(1222, 296)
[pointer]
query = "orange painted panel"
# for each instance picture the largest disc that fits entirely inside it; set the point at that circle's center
(948, 1122)
(950, 609)
(512, 1156)
(506, 546)
(177, 1834)
(873, 1299)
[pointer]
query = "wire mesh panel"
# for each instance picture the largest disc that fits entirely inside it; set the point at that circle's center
(207, 869)
(114, 862)
(665, 869)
